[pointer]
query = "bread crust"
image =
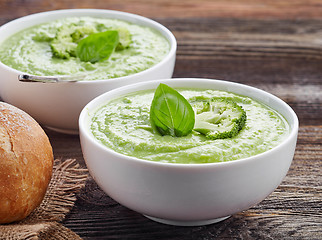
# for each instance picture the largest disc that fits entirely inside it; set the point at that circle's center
(26, 162)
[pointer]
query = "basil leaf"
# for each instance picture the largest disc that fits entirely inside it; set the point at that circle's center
(97, 46)
(170, 113)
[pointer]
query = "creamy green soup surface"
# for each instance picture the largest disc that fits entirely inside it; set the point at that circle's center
(123, 125)
(30, 50)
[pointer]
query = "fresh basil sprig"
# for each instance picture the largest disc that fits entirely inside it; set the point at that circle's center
(97, 46)
(170, 113)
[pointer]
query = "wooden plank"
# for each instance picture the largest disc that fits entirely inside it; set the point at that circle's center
(256, 9)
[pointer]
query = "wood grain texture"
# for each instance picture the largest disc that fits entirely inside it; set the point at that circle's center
(282, 9)
(273, 45)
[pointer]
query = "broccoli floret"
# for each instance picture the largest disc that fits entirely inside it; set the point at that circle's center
(124, 39)
(222, 119)
(65, 42)
(81, 32)
(63, 49)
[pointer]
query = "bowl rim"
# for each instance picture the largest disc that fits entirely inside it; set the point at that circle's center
(118, 92)
(90, 11)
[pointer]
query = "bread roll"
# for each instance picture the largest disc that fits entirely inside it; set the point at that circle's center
(26, 162)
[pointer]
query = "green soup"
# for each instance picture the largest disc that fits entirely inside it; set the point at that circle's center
(31, 51)
(123, 125)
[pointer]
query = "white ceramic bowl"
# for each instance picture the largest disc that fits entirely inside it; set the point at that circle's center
(58, 105)
(188, 194)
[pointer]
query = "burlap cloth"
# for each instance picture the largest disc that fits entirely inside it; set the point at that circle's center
(44, 222)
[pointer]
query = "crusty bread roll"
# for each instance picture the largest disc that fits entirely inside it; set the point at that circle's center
(26, 162)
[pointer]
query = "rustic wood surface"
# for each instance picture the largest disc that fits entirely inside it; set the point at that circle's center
(272, 45)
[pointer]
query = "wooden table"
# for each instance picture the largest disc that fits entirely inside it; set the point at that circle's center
(272, 45)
